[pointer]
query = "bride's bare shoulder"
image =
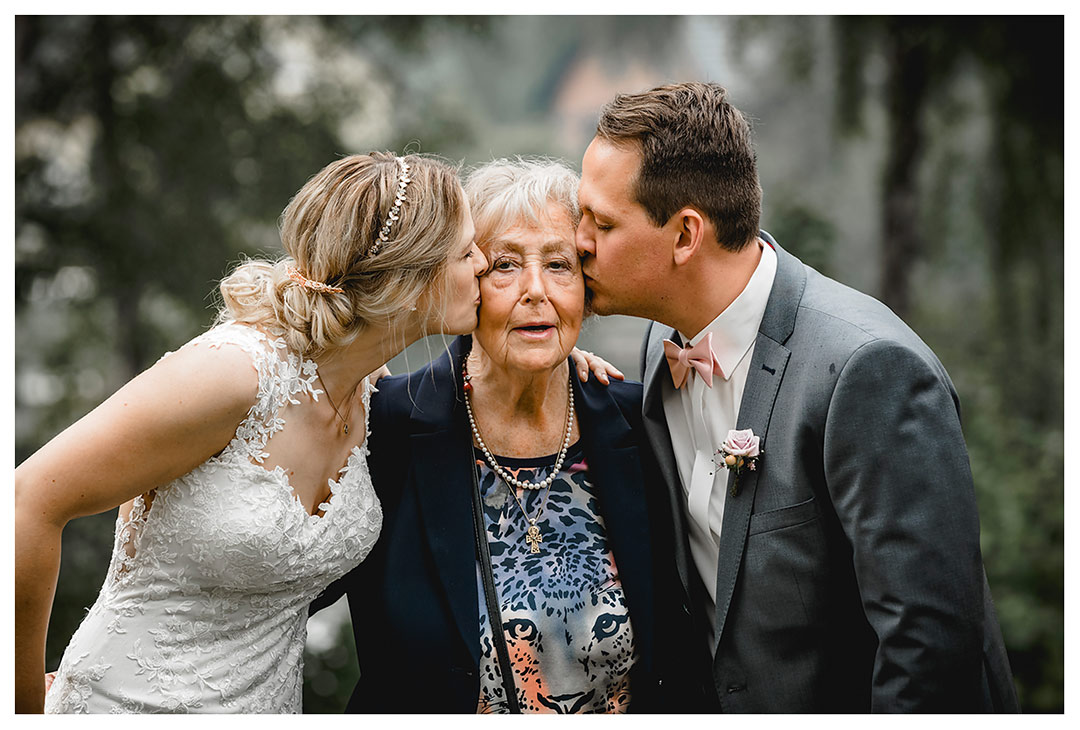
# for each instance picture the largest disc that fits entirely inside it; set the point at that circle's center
(221, 370)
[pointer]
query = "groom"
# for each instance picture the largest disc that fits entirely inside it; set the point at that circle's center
(839, 570)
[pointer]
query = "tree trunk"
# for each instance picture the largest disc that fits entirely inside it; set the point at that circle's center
(118, 271)
(906, 91)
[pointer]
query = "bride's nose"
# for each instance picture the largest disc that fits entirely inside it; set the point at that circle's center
(480, 262)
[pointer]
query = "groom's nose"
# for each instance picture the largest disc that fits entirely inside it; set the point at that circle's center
(583, 240)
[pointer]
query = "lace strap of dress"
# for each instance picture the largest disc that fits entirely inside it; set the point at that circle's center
(367, 388)
(282, 376)
(256, 344)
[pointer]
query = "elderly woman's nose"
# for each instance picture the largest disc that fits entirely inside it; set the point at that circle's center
(532, 282)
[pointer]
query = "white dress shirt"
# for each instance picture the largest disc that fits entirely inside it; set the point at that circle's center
(699, 419)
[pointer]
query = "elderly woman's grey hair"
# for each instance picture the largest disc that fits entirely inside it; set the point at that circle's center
(505, 193)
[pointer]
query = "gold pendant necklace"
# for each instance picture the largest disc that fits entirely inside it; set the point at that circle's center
(533, 536)
(344, 423)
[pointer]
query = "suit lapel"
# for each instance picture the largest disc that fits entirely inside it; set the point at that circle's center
(616, 477)
(763, 380)
(767, 369)
(441, 458)
(656, 428)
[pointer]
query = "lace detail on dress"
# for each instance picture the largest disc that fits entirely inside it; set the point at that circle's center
(204, 607)
(282, 376)
(126, 536)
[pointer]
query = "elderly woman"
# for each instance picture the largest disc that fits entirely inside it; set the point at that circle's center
(497, 440)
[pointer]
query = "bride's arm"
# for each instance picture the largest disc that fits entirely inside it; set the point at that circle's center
(161, 425)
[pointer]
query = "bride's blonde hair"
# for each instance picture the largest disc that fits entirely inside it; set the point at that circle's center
(328, 230)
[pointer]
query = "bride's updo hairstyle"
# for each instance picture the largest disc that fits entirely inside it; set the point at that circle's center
(339, 274)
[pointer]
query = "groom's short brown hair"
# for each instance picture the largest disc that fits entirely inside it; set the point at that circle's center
(696, 149)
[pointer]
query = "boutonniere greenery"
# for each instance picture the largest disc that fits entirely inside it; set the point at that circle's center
(740, 451)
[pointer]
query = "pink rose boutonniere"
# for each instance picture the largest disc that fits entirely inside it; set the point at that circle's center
(740, 450)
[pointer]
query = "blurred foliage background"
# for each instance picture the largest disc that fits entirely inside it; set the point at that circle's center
(917, 159)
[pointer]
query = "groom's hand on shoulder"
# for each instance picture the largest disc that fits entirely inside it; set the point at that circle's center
(585, 361)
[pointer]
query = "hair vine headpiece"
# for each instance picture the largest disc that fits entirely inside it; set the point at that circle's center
(384, 232)
(310, 285)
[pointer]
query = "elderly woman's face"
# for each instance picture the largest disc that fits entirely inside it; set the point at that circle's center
(532, 299)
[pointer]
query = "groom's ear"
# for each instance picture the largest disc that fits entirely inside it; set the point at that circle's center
(689, 229)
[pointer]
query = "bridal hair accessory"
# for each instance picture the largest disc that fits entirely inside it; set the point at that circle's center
(384, 232)
(532, 536)
(307, 283)
(700, 357)
(740, 451)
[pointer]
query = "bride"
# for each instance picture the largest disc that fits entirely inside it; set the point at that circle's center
(239, 461)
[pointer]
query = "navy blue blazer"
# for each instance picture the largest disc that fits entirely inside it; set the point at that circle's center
(414, 600)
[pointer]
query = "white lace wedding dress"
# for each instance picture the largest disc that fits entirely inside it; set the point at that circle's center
(204, 608)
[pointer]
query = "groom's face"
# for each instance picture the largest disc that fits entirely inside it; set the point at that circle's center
(623, 252)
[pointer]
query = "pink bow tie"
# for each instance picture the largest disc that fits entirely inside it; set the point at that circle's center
(701, 357)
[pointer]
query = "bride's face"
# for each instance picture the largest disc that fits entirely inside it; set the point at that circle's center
(458, 289)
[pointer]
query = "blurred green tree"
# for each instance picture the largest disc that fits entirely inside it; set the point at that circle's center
(167, 187)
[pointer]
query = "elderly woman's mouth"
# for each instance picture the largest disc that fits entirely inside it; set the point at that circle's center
(535, 331)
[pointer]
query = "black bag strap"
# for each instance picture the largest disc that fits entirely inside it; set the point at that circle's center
(493, 611)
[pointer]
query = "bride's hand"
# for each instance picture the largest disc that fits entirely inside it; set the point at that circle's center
(586, 361)
(49, 677)
(383, 372)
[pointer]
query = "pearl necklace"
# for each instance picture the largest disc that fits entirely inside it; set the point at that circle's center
(506, 477)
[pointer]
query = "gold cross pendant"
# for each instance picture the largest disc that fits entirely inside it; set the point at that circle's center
(534, 538)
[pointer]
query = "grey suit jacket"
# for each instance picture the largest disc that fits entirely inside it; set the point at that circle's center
(850, 577)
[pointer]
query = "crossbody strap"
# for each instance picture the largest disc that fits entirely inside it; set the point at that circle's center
(493, 611)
